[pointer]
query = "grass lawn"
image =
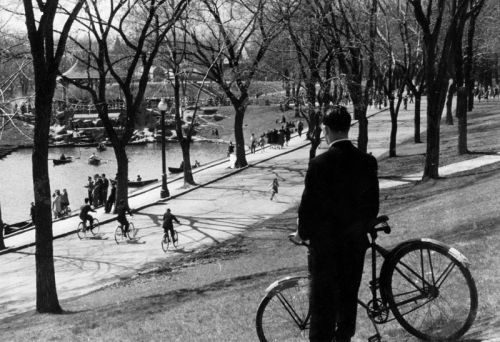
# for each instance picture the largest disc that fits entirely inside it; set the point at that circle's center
(213, 295)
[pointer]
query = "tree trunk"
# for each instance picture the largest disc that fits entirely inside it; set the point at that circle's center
(184, 142)
(416, 134)
(240, 109)
(449, 104)
(462, 120)
(394, 129)
(46, 291)
(2, 244)
(431, 168)
(122, 169)
(360, 113)
(188, 172)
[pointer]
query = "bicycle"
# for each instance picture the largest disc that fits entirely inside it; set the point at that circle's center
(82, 231)
(121, 236)
(165, 241)
(425, 284)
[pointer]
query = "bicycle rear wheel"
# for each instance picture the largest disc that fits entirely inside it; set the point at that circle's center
(283, 314)
(94, 229)
(430, 291)
(119, 236)
(165, 242)
(81, 231)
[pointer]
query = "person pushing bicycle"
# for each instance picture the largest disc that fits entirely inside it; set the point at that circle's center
(122, 209)
(84, 213)
(168, 225)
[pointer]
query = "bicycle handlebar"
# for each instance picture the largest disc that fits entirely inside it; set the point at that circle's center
(381, 220)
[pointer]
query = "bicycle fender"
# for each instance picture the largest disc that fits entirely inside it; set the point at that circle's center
(283, 283)
(451, 251)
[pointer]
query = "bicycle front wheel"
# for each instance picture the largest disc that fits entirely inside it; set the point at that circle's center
(119, 236)
(81, 231)
(283, 315)
(430, 291)
(165, 242)
(132, 231)
(175, 241)
(94, 229)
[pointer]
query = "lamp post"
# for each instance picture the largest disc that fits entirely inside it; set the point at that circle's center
(162, 107)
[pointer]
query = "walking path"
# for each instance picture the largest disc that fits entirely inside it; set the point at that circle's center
(226, 202)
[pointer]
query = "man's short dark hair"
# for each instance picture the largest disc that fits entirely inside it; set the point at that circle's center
(338, 119)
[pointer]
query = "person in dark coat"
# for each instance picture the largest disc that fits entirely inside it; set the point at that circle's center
(111, 198)
(104, 188)
(340, 198)
(168, 224)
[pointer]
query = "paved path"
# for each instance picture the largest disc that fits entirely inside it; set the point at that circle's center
(219, 209)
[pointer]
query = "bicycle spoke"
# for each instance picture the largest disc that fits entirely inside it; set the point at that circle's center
(445, 274)
(290, 310)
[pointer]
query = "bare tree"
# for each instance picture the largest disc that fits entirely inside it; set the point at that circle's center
(307, 25)
(47, 53)
(243, 30)
(441, 23)
(129, 68)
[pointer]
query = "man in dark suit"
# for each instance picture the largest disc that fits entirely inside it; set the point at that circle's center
(339, 200)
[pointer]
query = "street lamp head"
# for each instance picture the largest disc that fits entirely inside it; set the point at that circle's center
(162, 106)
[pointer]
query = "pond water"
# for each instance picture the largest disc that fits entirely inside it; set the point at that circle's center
(16, 182)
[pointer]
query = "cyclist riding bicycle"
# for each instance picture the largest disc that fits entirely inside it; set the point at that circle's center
(168, 225)
(84, 213)
(122, 209)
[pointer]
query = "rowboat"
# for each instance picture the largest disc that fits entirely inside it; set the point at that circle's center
(14, 227)
(94, 160)
(62, 161)
(138, 184)
(181, 169)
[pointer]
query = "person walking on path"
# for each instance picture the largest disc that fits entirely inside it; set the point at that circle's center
(90, 189)
(104, 189)
(56, 204)
(300, 127)
(340, 198)
(64, 201)
(168, 224)
(253, 143)
(111, 198)
(274, 187)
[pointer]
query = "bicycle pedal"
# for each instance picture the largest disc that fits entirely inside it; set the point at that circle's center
(375, 338)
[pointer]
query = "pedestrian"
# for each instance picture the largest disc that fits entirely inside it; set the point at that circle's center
(104, 188)
(262, 143)
(405, 102)
(90, 189)
(274, 187)
(300, 127)
(288, 135)
(253, 143)
(33, 211)
(64, 202)
(340, 198)
(111, 198)
(168, 225)
(96, 193)
(56, 204)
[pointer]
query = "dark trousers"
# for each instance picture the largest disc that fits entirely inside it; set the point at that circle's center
(336, 272)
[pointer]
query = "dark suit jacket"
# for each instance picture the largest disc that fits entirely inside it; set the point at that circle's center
(341, 195)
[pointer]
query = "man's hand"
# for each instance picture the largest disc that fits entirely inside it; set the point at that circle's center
(295, 238)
